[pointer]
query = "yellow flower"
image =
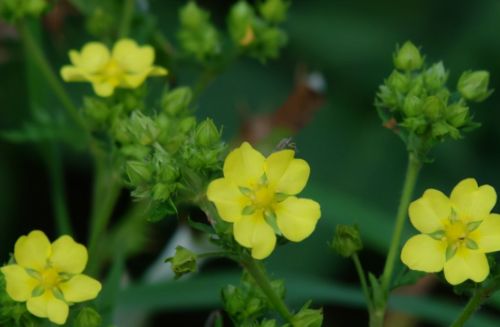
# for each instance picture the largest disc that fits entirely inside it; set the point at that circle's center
(257, 195)
(48, 276)
(456, 232)
(127, 66)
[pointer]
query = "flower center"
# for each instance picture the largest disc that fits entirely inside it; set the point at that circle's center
(263, 197)
(113, 71)
(456, 232)
(49, 278)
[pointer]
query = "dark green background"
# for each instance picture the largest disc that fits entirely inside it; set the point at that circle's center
(357, 166)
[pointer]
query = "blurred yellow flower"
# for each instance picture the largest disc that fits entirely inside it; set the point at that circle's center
(48, 276)
(257, 195)
(127, 66)
(456, 232)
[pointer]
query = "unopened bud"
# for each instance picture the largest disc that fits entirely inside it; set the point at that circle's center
(474, 85)
(207, 133)
(138, 172)
(192, 16)
(347, 240)
(433, 107)
(177, 100)
(88, 317)
(274, 11)
(183, 262)
(240, 19)
(457, 114)
(412, 106)
(436, 76)
(398, 82)
(408, 57)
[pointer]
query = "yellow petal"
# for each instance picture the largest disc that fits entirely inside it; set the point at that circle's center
(253, 232)
(429, 213)
(466, 264)
(487, 235)
(72, 74)
(33, 250)
(131, 57)
(93, 57)
(19, 283)
(57, 311)
(38, 305)
(158, 71)
(80, 288)
(68, 256)
(244, 165)
(286, 174)
(227, 198)
(133, 80)
(297, 218)
(423, 253)
(103, 89)
(473, 202)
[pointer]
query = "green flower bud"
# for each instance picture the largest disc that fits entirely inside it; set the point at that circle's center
(398, 82)
(441, 129)
(388, 98)
(417, 87)
(457, 114)
(435, 77)
(197, 35)
(143, 128)
(416, 124)
(433, 107)
(138, 172)
(88, 317)
(96, 110)
(183, 262)
(347, 240)
(177, 100)
(186, 124)
(474, 85)
(268, 323)
(192, 16)
(274, 11)
(163, 191)
(207, 133)
(16, 9)
(412, 106)
(101, 22)
(240, 22)
(233, 299)
(269, 41)
(168, 173)
(308, 317)
(408, 57)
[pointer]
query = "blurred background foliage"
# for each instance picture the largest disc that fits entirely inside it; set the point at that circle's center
(357, 165)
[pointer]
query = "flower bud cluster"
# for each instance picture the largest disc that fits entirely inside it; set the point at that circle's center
(12, 10)
(197, 35)
(256, 32)
(246, 303)
(415, 95)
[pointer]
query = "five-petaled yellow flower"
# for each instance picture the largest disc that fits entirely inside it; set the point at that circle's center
(48, 276)
(456, 232)
(257, 194)
(126, 66)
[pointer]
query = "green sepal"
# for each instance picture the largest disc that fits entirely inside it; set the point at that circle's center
(473, 225)
(438, 235)
(471, 244)
(451, 250)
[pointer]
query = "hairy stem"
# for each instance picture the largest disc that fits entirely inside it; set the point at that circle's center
(257, 272)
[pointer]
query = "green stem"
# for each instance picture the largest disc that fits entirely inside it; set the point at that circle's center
(34, 51)
(257, 272)
(362, 279)
(107, 188)
(474, 302)
(127, 14)
(63, 221)
(412, 171)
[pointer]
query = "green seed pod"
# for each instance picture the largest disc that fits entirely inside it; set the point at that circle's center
(473, 85)
(138, 172)
(347, 240)
(408, 57)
